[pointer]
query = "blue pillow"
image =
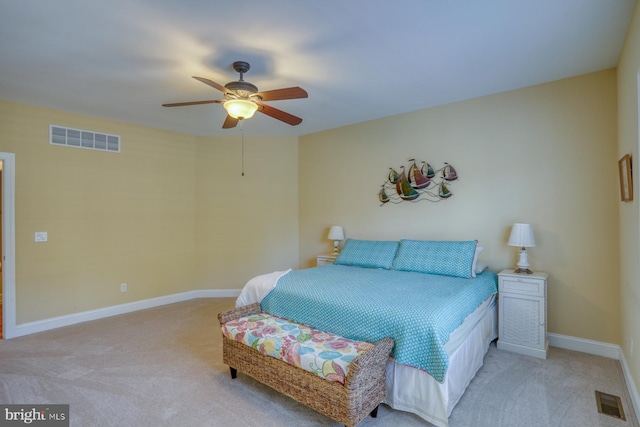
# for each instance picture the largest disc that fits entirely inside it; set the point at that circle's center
(446, 258)
(368, 253)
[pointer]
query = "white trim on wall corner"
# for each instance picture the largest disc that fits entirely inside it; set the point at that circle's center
(631, 386)
(85, 316)
(8, 243)
(603, 349)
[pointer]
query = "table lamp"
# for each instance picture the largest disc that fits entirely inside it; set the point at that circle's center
(522, 236)
(336, 233)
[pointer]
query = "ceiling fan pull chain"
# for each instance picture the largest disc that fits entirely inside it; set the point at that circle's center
(242, 129)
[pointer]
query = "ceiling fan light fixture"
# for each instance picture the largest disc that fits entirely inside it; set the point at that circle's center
(242, 99)
(240, 108)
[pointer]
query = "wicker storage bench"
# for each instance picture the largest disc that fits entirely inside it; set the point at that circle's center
(349, 403)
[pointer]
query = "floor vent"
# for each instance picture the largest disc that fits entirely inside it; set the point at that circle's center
(609, 404)
(59, 135)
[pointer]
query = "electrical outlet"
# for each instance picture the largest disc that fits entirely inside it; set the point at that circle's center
(123, 287)
(40, 236)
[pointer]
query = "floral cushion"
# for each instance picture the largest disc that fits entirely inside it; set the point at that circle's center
(324, 354)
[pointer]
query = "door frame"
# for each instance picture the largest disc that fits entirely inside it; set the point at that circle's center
(8, 245)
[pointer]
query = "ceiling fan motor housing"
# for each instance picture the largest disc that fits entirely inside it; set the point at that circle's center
(241, 88)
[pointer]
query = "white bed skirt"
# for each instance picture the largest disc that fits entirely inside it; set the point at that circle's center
(413, 390)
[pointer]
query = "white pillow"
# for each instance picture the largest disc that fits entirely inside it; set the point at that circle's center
(481, 266)
(474, 264)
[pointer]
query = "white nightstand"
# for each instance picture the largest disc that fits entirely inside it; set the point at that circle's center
(522, 315)
(326, 259)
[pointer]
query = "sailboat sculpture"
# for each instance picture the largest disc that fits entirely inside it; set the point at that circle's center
(444, 192)
(382, 195)
(393, 176)
(416, 178)
(449, 173)
(404, 189)
(413, 182)
(427, 170)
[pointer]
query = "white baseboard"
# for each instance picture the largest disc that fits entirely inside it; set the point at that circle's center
(72, 319)
(598, 348)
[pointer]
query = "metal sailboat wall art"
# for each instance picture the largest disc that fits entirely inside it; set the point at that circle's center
(417, 183)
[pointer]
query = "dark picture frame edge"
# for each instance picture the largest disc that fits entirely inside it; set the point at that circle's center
(626, 181)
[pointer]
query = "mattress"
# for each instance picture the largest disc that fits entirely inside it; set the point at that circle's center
(418, 311)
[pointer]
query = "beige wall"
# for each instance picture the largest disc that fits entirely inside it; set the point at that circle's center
(628, 71)
(247, 225)
(165, 215)
(544, 155)
(171, 212)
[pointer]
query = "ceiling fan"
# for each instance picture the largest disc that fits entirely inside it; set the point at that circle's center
(242, 99)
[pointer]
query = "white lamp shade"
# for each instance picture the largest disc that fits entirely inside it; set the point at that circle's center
(522, 236)
(240, 108)
(336, 233)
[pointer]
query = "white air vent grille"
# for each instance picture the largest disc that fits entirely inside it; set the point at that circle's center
(59, 135)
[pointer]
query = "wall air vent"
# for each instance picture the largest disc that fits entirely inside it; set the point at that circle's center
(59, 135)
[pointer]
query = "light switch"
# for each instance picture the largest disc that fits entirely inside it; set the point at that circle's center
(41, 236)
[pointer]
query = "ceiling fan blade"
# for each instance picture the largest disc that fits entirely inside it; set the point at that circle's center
(181, 104)
(211, 83)
(285, 93)
(229, 122)
(279, 114)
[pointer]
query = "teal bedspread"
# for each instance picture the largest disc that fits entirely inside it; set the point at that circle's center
(417, 310)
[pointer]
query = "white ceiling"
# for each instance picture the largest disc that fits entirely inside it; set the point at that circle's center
(358, 59)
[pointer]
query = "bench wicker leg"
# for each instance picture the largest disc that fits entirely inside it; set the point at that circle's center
(234, 372)
(374, 413)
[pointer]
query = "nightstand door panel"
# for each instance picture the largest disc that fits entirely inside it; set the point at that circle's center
(522, 320)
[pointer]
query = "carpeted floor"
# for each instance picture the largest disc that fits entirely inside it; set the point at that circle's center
(162, 367)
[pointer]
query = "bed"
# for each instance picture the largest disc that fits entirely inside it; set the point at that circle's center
(434, 298)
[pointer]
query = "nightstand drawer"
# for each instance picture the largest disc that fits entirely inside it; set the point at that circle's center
(523, 286)
(325, 259)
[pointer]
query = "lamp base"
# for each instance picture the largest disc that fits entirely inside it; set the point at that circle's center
(523, 263)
